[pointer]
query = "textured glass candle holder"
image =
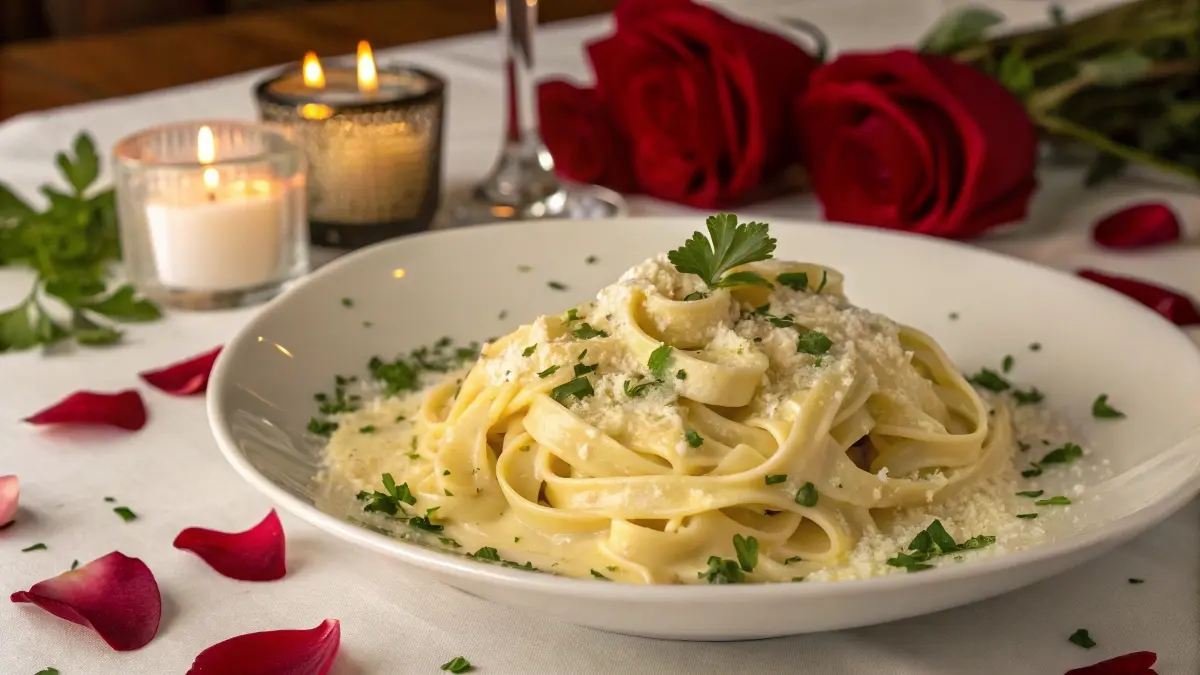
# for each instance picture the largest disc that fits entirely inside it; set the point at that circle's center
(212, 213)
(374, 157)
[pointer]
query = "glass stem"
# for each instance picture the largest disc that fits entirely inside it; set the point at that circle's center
(518, 25)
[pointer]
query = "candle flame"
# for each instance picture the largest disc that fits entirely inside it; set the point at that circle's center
(316, 111)
(368, 78)
(314, 75)
(206, 152)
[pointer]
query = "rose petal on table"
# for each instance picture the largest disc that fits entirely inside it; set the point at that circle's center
(276, 652)
(10, 490)
(1136, 663)
(1171, 304)
(258, 554)
(185, 377)
(1138, 226)
(114, 595)
(124, 409)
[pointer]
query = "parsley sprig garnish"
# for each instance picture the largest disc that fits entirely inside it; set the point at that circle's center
(747, 552)
(932, 542)
(722, 571)
(389, 502)
(728, 245)
(457, 665)
(71, 246)
(1102, 410)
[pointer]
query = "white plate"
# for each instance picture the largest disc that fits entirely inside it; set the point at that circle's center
(458, 283)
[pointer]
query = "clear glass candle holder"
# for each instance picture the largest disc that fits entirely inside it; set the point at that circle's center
(213, 214)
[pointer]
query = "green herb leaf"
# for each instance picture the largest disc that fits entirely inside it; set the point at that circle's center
(747, 552)
(727, 246)
(813, 342)
(17, 329)
(807, 495)
(599, 575)
(1027, 397)
(776, 478)
(1081, 638)
(743, 278)
(1102, 410)
(457, 665)
(1007, 364)
(824, 280)
(1132, 580)
(1031, 493)
(1015, 73)
(487, 553)
(556, 285)
(1057, 500)
(1027, 515)
(1034, 471)
(941, 538)
(583, 369)
(722, 571)
(90, 333)
(424, 523)
(126, 514)
(447, 541)
(958, 29)
(121, 305)
(693, 439)
(1066, 454)
(579, 387)
(797, 281)
(529, 350)
(639, 389)
(793, 559)
(659, 359)
(368, 429)
(36, 547)
(681, 374)
(1117, 68)
(586, 332)
(47, 671)
(548, 372)
(990, 380)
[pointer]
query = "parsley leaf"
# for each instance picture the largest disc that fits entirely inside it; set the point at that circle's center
(586, 332)
(813, 342)
(424, 523)
(557, 285)
(932, 542)
(1132, 580)
(599, 575)
(747, 552)
(584, 369)
(487, 553)
(126, 514)
(1027, 516)
(1057, 500)
(529, 350)
(1081, 638)
(47, 671)
(793, 559)
(1034, 471)
(1066, 454)
(659, 359)
(457, 665)
(1007, 364)
(824, 280)
(36, 547)
(681, 374)
(727, 246)
(639, 389)
(743, 278)
(990, 380)
(694, 439)
(1031, 493)
(797, 281)
(1028, 397)
(776, 478)
(722, 571)
(548, 372)
(1103, 411)
(807, 495)
(579, 387)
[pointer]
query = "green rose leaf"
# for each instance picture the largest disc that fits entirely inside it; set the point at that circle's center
(958, 29)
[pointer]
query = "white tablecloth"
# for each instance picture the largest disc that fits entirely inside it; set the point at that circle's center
(173, 477)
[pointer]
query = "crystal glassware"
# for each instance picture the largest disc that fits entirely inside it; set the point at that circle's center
(522, 184)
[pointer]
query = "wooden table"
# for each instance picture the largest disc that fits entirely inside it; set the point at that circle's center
(39, 75)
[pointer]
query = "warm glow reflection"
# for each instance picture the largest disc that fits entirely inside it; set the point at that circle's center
(398, 273)
(283, 350)
(206, 152)
(316, 111)
(368, 78)
(314, 75)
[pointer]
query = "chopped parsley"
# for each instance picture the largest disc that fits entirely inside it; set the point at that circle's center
(785, 321)
(556, 285)
(727, 246)
(797, 281)
(1133, 580)
(1023, 446)
(369, 429)
(321, 427)
(807, 495)
(1066, 454)
(110, 499)
(579, 387)
(599, 575)
(694, 439)
(1035, 346)
(584, 369)
(529, 350)
(447, 541)
(1028, 397)
(388, 502)
(932, 542)
(548, 372)
(747, 552)
(1027, 516)
(1007, 364)
(424, 523)
(126, 514)
(1033, 471)
(1057, 500)
(572, 315)
(681, 374)
(581, 355)
(524, 268)
(694, 295)
(824, 279)
(639, 389)
(814, 343)
(457, 665)
(954, 316)
(793, 559)
(776, 478)
(47, 671)
(1101, 410)
(36, 547)
(1081, 638)
(1031, 493)
(74, 565)
(502, 315)
(487, 553)
(722, 571)
(659, 359)
(347, 302)
(586, 332)
(990, 380)
(591, 260)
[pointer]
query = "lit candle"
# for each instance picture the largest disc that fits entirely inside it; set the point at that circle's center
(218, 233)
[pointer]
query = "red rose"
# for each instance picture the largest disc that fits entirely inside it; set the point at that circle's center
(581, 138)
(916, 142)
(703, 99)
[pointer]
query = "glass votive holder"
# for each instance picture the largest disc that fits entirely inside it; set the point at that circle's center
(374, 156)
(212, 213)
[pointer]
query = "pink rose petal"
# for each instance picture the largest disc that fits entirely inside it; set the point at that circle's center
(1138, 226)
(10, 490)
(258, 554)
(276, 652)
(1173, 305)
(124, 409)
(114, 595)
(185, 377)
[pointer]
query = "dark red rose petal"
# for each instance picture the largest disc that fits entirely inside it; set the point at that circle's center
(1136, 663)
(114, 595)
(124, 409)
(1173, 305)
(10, 490)
(184, 378)
(258, 554)
(277, 652)
(1138, 226)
